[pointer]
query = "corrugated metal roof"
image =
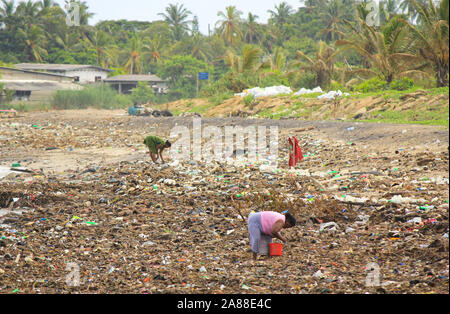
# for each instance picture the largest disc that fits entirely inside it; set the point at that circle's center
(34, 72)
(57, 67)
(30, 85)
(134, 78)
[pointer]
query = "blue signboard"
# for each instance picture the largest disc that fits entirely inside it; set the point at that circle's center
(203, 76)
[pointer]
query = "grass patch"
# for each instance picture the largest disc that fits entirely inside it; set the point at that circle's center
(394, 94)
(27, 107)
(97, 96)
(423, 117)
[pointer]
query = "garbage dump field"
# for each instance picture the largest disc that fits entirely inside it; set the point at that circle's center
(85, 210)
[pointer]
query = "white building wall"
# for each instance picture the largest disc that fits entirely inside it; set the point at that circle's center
(87, 75)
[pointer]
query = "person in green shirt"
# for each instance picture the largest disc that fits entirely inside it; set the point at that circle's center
(156, 146)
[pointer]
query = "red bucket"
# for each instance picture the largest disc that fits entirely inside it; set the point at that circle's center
(276, 249)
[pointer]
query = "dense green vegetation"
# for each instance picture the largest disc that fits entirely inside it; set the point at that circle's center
(327, 43)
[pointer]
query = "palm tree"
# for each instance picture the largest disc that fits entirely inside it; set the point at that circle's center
(176, 16)
(252, 33)
(408, 7)
(35, 40)
(385, 53)
(281, 13)
(195, 26)
(134, 53)
(322, 65)
(388, 9)
(47, 4)
(443, 10)
(154, 46)
(30, 12)
(8, 14)
(68, 40)
(229, 25)
(332, 16)
(100, 42)
(277, 60)
(432, 37)
(250, 61)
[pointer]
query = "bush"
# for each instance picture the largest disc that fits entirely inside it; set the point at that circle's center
(250, 101)
(303, 80)
(142, 94)
(402, 84)
(372, 85)
(95, 96)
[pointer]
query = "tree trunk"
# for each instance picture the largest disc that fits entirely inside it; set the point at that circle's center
(442, 75)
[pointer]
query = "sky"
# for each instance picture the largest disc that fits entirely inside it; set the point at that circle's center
(147, 10)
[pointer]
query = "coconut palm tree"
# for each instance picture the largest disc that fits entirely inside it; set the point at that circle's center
(67, 40)
(229, 25)
(30, 12)
(134, 55)
(332, 16)
(250, 61)
(322, 64)
(252, 32)
(8, 14)
(408, 7)
(275, 61)
(35, 40)
(100, 42)
(281, 13)
(432, 38)
(154, 47)
(176, 16)
(385, 52)
(45, 5)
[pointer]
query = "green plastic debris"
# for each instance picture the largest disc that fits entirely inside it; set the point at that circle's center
(15, 165)
(91, 223)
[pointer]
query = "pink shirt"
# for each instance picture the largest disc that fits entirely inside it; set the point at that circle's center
(268, 219)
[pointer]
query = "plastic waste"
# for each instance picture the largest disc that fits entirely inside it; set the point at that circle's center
(329, 226)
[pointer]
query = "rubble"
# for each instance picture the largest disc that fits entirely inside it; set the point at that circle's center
(135, 227)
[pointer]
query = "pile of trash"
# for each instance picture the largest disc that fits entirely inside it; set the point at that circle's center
(305, 91)
(332, 95)
(136, 227)
(279, 90)
(264, 92)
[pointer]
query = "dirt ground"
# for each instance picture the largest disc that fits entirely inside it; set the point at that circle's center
(92, 199)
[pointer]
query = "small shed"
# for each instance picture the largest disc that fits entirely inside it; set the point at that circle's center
(126, 83)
